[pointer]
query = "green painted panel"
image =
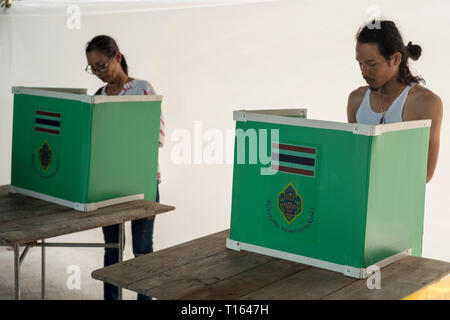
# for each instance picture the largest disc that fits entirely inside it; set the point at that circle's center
(125, 139)
(331, 225)
(67, 151)
(395, 212)
(367, 193)
(83, 152)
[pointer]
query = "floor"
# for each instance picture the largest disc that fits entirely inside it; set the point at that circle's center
(61, 266)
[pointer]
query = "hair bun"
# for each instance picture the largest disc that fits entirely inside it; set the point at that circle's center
(414, 50)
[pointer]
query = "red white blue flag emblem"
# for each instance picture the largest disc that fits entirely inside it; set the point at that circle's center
(294, 159)
(48, 122)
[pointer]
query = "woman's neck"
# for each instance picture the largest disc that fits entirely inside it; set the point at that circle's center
(116, 86)
(118, 82)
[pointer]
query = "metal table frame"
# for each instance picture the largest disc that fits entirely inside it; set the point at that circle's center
(18, 258)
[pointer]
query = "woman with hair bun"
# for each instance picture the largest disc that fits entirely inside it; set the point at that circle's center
(107, 62)
(393, 93)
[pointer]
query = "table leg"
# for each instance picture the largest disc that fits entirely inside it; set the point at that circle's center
(121, 234)
(43, 270)
(16, 272)
(24, 253)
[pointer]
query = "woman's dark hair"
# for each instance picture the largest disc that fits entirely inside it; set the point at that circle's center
(107, 46)
(386, 35)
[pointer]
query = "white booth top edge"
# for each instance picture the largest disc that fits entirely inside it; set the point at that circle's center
(356, 128)
(79, 94)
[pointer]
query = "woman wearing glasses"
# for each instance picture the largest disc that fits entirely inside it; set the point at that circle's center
(107, 63)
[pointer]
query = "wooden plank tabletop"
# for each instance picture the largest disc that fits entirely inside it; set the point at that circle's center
(205, 269)
(24, 219)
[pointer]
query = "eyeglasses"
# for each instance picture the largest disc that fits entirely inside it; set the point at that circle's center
(100, 69)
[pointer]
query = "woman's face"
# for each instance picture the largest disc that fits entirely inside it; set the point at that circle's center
(104, 67)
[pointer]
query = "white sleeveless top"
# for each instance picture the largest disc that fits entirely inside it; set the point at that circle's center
(366, 115)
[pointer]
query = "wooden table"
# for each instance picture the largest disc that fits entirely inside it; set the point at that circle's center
(205, 269)
(25, 220)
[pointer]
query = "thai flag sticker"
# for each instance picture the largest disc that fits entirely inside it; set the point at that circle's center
(294, 159)
(48, 122)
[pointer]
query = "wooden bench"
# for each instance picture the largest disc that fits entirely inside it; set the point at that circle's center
(204, 269)
(25, 220)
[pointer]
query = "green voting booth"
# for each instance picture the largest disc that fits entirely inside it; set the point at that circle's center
(82, 151)
(337, 196)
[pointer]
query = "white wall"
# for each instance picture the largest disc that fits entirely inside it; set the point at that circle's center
(208, 58)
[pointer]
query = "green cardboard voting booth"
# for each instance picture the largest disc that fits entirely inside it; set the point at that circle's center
(84, 152)
(338, 196)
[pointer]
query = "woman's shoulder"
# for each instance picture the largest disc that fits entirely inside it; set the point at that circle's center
(140, 83)
(144, 85)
